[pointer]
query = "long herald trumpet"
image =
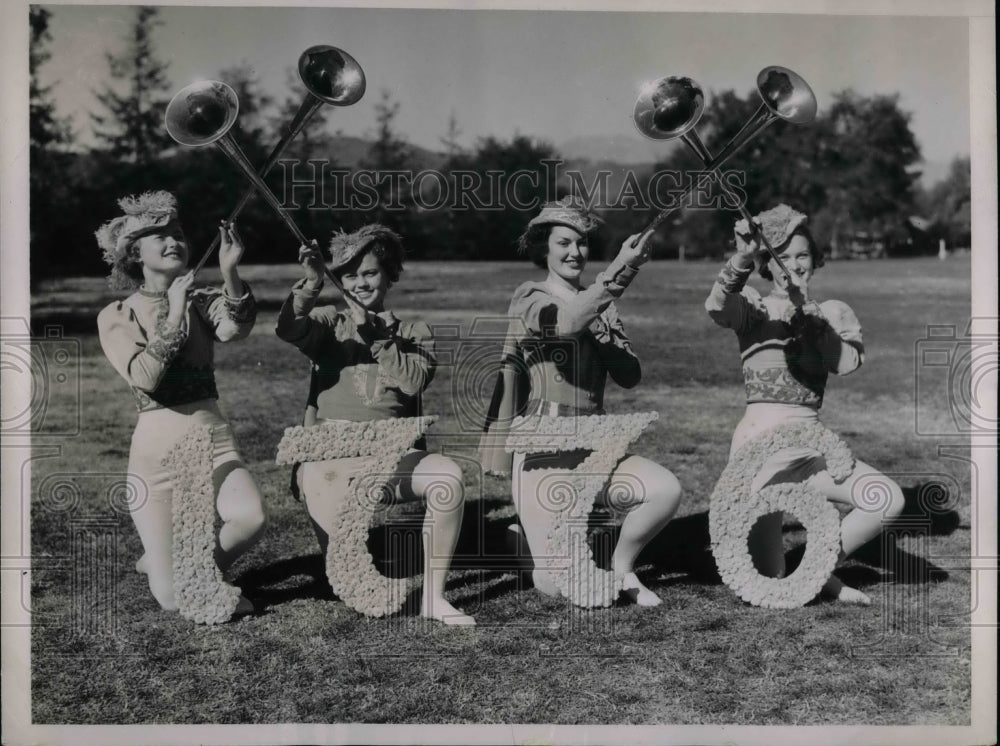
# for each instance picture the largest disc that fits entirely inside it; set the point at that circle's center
(670, 107)
(204, 112)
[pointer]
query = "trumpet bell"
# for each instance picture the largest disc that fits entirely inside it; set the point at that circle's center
(202, 112)
(332, 75)
(668, 108)
(786, 94)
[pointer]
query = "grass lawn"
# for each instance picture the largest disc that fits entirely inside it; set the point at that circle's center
(103, 652)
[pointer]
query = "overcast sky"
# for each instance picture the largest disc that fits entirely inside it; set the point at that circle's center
(554, 75)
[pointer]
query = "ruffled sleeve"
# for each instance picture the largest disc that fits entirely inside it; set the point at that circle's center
(302, 325)
(836, 333)
(732, 305)
(543, 315)
(141, 356)
(230, 318)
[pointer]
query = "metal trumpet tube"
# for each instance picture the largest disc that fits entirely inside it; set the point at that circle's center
(670, 107)
(202, 114)
(330, 75)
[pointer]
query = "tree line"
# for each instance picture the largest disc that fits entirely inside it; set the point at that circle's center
(854, 171)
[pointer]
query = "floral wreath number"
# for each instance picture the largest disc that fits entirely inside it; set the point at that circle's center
(734, 510)
(350, 567)
(202, 595)
(608, 438)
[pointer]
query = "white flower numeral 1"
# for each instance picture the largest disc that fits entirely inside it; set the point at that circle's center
(202, 595)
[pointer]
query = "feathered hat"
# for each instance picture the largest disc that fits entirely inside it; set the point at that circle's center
(145, 213)
(346, 246)
(569, 211)
(778, 224)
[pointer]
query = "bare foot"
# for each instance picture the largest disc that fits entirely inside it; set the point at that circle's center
(637, 592)
(835, 589)
(440, 610)
(544, 583)
(140, 565)
(853, 596)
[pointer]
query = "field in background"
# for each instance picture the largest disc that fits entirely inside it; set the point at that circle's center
(702, 657)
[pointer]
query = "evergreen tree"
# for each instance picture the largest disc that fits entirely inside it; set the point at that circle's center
(487, 174)
(311, 140)
(132, 127)
(389, 152)
(252, 128)
(45, 129)
(49, 184)
(452, 148)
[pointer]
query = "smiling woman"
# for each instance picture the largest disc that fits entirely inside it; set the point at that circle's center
(563, 341)
(161, 341)
(789, 344)
(369, 371)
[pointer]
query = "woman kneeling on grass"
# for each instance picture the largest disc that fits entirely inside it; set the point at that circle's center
(569, 338)
(160, 339)
(370, 366)
(789, 344)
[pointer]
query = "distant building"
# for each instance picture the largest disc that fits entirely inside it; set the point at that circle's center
(864, 245)
(914, 236)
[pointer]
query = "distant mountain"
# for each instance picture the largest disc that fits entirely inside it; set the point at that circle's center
(348, 151)
(613, 148)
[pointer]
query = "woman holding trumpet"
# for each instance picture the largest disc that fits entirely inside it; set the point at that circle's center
(160, 339)
(570, 339)
(369, 365)
(789, 344)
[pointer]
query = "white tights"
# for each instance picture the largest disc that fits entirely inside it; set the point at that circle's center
(420, 476)
(237, 498)
(647, 493)
(873, 497)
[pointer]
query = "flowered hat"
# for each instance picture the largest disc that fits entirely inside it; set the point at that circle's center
(569, 211)
(778, 224)
(145, 213)
(344, 247)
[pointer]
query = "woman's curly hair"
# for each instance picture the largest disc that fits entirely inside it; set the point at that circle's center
(384, 243)
(570, 212)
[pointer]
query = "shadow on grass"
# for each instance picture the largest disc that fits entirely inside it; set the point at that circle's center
(483, 563)
(683, 546)
(881, 560)
(286, 580)
(491, 561)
